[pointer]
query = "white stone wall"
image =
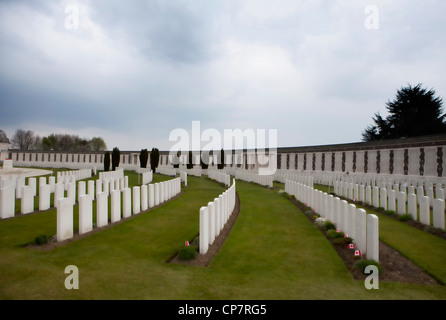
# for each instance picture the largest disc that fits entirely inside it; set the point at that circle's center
(344, 160)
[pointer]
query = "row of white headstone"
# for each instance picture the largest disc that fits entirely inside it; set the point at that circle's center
(412, 202)
(376, 179)
(168, 171)
(214, 216)
(363, 228)
(75, 174)
(27, 193)
(147, 177)
(220, 177)
(110, 175)
(183, 177)
(351, 190)
(17, 189)
(142, 197)
(263, 180)
(301, 177)
(196, 172)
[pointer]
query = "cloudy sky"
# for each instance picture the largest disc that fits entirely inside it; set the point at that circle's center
(133, 71)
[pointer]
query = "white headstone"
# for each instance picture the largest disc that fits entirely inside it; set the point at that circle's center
(85, 214)
(222, 211)
(42, 181)
(115, 213)
(64, 219)
(361, 195)
(401, 202)
(98, 187)
(126, 203)
(344, 215)
(372, 237)
(211, 213)
(440, 193)
(368, 195)
(420, 193)
(32, 184)
(336, 209)
(90, 192)
(352, 221)
(59, 193)
(361, 230)
(136, 200)
(218, 223)
(161, 190)
(71, 192)
(151, 195)
(412, 205)
(438, 213)
(81, 189)
(101, 210)
(383, 198)
(52, 183)
(27, 202)
(7, 202)
(157, 194)
(106, 187)
(144, 198)
(19, 186)
(425, 216)
(44, 197)
(391, 205)
(204, 230)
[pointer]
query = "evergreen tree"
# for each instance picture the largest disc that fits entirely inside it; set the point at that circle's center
(143, 158)
(204, 160)
(107, 161)
(154, 159)
(221, 162)
(116, 158)
(176, 159)
(415, 111)
(190, 163)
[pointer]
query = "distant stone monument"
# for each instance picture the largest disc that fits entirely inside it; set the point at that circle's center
(4, 145)
(7, 164)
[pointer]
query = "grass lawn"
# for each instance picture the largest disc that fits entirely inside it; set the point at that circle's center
(273, 252)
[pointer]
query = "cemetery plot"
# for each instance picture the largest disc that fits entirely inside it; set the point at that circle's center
(396, 268)
(109, 199)
(273, 252)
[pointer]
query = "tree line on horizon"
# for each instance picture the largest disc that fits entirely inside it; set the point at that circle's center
(28, 140)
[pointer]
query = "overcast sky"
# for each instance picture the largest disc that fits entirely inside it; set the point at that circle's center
(133, 71)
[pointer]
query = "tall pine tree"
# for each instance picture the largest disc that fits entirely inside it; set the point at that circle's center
(415, 111)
